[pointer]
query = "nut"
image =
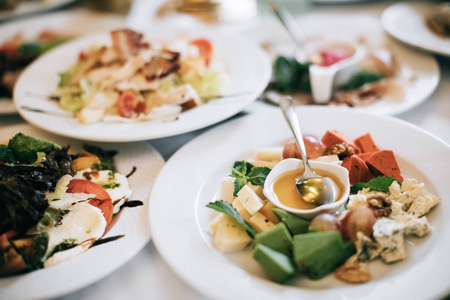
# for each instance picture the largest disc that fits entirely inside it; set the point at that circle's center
(380, 205)
(342, 150)
(353, 272)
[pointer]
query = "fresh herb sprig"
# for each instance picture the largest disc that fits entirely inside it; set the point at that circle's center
(245, 172)
(379, 184)
(228, 209)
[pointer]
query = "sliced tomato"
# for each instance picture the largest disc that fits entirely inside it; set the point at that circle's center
(129, 105)
(205, 48)
(102, 201)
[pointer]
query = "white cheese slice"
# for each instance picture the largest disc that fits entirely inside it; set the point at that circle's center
(227, 189)
(81, 223)
(231, 236)
(250, 200)
(62, 256)
(273, 154)
(237, 204)
(214, 225)
(119, 190)
(260, 223)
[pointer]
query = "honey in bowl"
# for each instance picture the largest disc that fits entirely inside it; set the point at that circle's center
(286, 191)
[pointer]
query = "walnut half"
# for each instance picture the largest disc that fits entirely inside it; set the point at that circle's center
(353, 272)
(342, 150)
(380, 205)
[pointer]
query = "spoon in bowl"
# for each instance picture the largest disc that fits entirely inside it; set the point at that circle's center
(314, 189)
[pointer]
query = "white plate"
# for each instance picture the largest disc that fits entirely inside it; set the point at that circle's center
(343, 27)
(29, 7)
(179, 219)
(406, 22)
(99, 261)
(62, 22)
(249, 72)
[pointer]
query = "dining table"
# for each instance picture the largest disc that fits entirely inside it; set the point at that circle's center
(147, 275)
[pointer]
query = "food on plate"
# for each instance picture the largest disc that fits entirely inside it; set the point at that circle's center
(439, 19)
(377, 76)
(54, 205)
(136, 79)
(17, 52)
(384, 209)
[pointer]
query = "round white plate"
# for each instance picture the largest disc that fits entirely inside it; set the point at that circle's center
(249, 72)
(343, 27)
(179, 219)
(62, 22)
(29, 7)
(101, 260)
(406, 22)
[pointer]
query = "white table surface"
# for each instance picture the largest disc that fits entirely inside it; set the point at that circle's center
(147, 276)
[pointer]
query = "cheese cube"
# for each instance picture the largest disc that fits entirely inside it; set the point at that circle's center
(267, 211)
(250, 200)
(227, 189)
(260, 223)
(214, 225)
(258, 189)
(273, 154)
(237, 204)
(329, 159)
(231, 236)
(262, 163)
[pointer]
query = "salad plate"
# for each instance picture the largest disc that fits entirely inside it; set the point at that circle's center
(180, 216)
(100, 261)
(407, 22)
(247, 67)
(29, 7)
(60, 23)
(420, 71)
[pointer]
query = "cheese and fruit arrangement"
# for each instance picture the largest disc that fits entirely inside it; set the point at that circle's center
(54, 205)
(382, 211)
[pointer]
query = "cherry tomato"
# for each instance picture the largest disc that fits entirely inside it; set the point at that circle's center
(129, 105)
(205, 48)
(313, 145)
(102, 201)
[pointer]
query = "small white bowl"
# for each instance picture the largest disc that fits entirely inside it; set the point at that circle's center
(325, 78)
(290, 164)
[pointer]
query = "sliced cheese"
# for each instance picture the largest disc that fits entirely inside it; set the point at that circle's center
(81, 223)
(267, 211)
(115, 184)
(231, 236)
(227, 189)
(237, 204)
(262, 163)
(329, 159)
(214, 225)
(258, 189)
(62, 256)
(260, 223)
(250, 200)
(273, 154)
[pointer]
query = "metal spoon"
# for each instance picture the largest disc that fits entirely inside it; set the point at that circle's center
(314, 189)
(292, 28)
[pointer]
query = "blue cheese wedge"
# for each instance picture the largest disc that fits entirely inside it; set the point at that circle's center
(389, 235)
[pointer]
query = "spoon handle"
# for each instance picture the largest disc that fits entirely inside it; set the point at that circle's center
(291, 117)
